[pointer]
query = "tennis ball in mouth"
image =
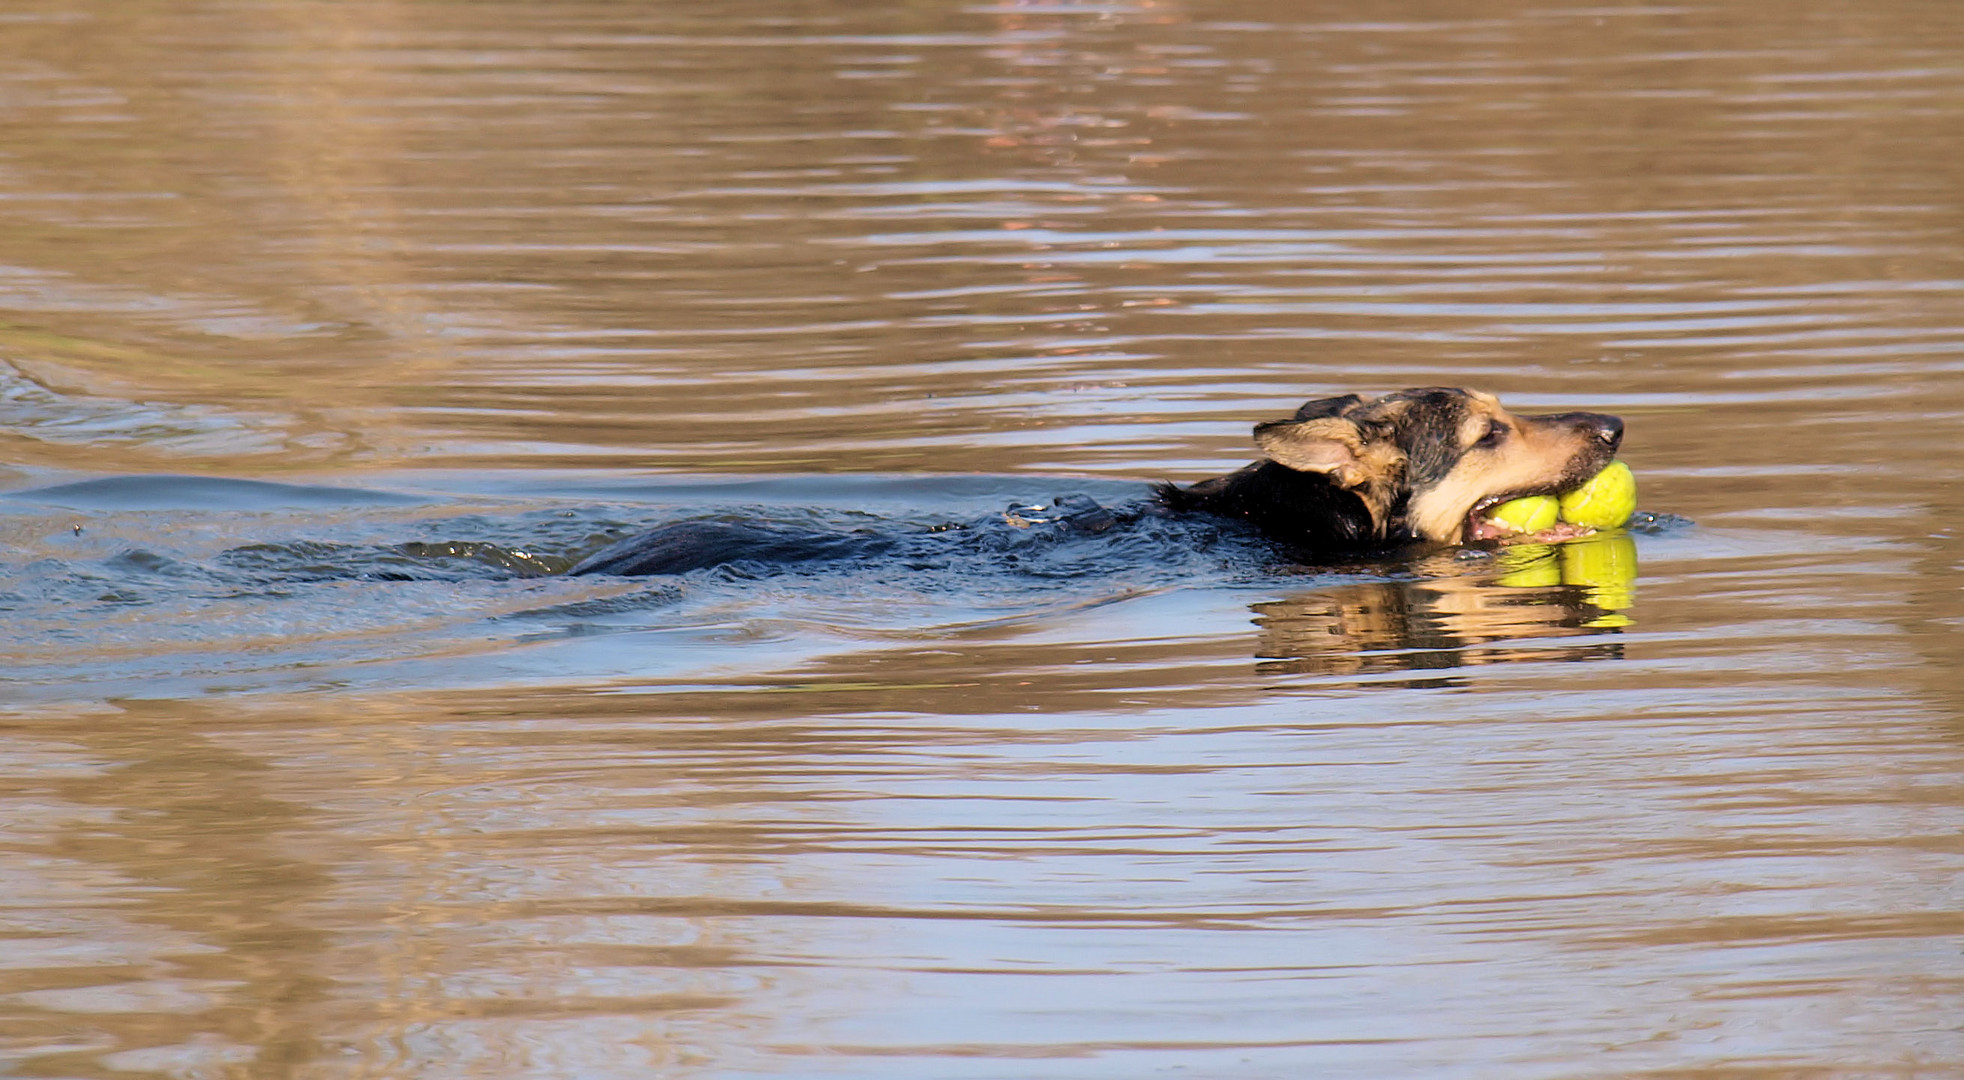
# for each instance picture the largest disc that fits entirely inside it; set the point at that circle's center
(1605, 502)
(1527, 515)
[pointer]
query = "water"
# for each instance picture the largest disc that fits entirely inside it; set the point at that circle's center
(329, 332)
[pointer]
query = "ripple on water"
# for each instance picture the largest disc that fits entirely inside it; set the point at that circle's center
(319, 773)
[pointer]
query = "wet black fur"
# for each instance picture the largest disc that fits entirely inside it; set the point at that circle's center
(759, 547)
(1302, 510)
(695, 545)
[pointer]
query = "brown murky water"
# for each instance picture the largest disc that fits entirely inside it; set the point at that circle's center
(316, 319)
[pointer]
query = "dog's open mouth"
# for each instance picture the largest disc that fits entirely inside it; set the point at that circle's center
(1530, 517)
(1481, 527)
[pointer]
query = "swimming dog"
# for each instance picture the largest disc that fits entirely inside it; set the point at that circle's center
(1347, 476)
(1342, 477)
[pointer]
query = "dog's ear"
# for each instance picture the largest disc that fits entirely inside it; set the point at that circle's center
(1323, 444)
(1332, 446)
(1329, 406)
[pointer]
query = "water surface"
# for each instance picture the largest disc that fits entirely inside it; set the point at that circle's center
(329, 332)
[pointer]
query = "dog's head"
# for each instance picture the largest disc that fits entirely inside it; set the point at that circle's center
(1427, 461)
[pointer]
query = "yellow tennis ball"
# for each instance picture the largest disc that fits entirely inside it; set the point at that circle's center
(1605, 502)
(1529, 515)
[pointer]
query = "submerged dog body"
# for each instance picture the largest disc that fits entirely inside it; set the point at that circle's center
(1342, 477)
(1347, 476)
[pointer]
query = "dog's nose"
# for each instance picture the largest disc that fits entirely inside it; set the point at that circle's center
(1602, 427)
(1607, 429)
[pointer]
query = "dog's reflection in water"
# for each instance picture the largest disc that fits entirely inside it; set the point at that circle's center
(1514, 607)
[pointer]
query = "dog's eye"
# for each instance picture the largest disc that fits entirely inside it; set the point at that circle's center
(1496, 431)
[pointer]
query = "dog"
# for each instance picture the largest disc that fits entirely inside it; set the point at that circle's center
(1345, 476)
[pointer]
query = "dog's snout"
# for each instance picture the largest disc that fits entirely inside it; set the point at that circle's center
(1601, 427)
(1608, 430)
